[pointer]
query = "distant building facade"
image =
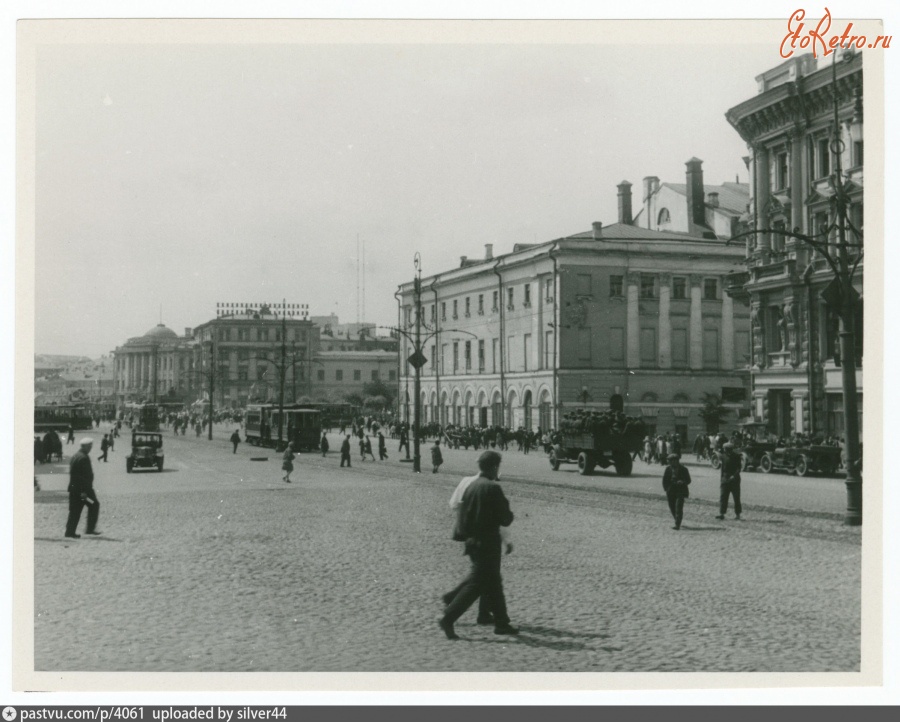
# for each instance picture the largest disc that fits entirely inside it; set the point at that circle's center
(620, 310)
(341, 373)
(157, 366)
(788, 127)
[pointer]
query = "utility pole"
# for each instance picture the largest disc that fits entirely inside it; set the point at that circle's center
(417, 387)
(283, 371)
(212, 380)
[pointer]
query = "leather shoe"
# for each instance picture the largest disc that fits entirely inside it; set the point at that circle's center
(94, 533)
(505, 629)
(448, 629)
(74, 536)
(486, 620)
(447, 598)
(720, 516)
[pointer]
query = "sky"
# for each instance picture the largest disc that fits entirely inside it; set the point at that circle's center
(173, 177)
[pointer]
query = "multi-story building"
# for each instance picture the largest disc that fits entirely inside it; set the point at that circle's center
(617, 311)
(789, 130)
(157, 366)
(338, 374)
(253, 349)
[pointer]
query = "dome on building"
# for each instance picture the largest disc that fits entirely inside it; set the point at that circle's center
(160, 332)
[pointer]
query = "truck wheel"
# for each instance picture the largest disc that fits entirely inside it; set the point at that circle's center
(554, 460)
(623, 464)
(765, 464)
(585, 463)
(802, 466)
(129, 465)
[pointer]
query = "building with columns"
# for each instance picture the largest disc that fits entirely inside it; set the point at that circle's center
(157, 366)
(788, 127)
(519, 339)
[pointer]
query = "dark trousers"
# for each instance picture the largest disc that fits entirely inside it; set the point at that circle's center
(483, 581)
(676, 506)
(730, 488)
(235, 447)
(382, 453)
(103, 454)
(76, 504)
(345, 457)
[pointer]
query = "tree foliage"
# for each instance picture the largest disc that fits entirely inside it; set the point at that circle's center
(713, 412)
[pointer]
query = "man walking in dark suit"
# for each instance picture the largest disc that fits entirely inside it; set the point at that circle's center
(104, 448)
(676, 480)
(81, 491)
(484, 509)
(345, 451)
(730, 481)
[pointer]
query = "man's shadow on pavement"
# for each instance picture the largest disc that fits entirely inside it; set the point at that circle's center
(550, 638)
(685, 527)
(84, 539)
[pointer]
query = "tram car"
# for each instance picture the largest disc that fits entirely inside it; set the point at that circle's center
(302, 425)
(58, 418)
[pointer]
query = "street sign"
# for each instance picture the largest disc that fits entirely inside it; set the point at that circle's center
(417, 360)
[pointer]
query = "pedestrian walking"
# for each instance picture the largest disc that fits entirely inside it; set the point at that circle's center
(482, 511)
(70, 435)
(81, 491)
(730, 481)
(404, 440)
(437, 458)
(235, 440)
(367, 448)
(676, 480)
(323, 444)
(112, 439)
(362, 448)
(345, 452)
(382, 447)
(104, 448)
(287, 462)
(485, 615)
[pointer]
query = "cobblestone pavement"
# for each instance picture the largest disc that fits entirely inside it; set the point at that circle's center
(217, 565)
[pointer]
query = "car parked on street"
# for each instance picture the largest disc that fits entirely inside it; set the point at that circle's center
(146, 451)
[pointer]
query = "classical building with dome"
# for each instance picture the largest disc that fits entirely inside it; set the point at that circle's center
(157, 366)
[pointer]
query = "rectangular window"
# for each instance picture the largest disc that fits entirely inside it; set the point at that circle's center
(616, 284)
(496, 297)
(548, 349)
(338, 375)
(242, 375)
(444, 358)
(823, 158)
(263, 334)
(443, 310)
(494, 359)
(583, 284)
(468, 308)
(548, 290)
(679, 287)
(455, 308)
(527, 294)
(455, 356)
(584, 345)
(392, 375)
(858, 154)
(710, 348)
(468, 355)
(617, 344)
(374, 374)
(357, 375)
(648, 347)
(511, 361)
(509, 298)
(480, 304)
(481, 356)
(782, 179)
(679, 347)
(742, 348)
(433, 312)
(710, 289)
(648, 286)
(433, 356)
(526, 349)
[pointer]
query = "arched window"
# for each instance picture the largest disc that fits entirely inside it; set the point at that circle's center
(681, 399)
(663, 217)
(650, 397)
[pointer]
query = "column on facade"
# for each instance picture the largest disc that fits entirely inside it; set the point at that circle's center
(696, 344)
(129, 371)
(760, 193)
(665, 322)
(797, 157)
(632, 321)
(727, 331)
(800, 411)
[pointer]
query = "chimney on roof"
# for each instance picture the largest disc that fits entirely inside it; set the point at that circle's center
(188, 331)
(694, 188)
(712, 199)
(462, 261)
(625, 203)
(651, 186)
(488, 251)
(598, 230)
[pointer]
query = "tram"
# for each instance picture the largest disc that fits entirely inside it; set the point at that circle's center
(302, 425)
(58, 417)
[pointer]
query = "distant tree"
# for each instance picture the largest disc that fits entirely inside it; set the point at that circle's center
(380, 388)
(713, 412)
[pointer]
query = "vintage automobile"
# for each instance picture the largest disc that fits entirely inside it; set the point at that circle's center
(146, 451)
(802, 460)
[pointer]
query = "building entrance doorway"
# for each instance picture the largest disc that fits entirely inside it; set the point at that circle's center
(780, 413)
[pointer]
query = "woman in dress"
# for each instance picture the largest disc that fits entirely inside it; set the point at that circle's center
(287, 465)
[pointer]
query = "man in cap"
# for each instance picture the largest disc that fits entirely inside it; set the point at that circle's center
(730, 481)
(676, 480)
(81, 491)
(483, 510)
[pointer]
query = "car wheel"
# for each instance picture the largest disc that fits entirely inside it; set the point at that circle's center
(802, 466)
(765, 464)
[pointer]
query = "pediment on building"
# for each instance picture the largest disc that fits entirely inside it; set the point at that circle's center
(777, 203)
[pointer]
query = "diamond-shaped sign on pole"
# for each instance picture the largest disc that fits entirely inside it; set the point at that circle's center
(417, 360)
(832, 294)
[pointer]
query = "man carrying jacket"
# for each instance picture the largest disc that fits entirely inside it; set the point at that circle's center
(483, 510)
(81, 491)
